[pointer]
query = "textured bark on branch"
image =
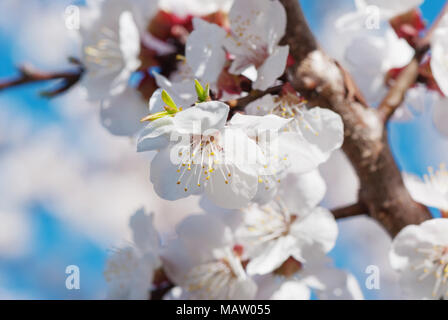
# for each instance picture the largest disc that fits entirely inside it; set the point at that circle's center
(323, 82)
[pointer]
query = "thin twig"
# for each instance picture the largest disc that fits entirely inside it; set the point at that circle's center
(350, 211)
(254, 95)
(30, 75)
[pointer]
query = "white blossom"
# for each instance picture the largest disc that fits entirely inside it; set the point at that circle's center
(290, 226)
(130, 270)
(111, 46)
(204, 262)
(420, 254)
(257, 26)
(322, 129)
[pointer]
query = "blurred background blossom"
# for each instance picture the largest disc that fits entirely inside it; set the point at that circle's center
(68, 188)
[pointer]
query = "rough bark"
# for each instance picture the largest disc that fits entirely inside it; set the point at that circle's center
(323, 82)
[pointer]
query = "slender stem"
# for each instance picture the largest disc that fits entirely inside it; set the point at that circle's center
(29, 75)
(254, 95)
(350, 211)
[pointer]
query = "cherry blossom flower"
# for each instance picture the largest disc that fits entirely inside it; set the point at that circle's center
(289, 226)
(432, 191)
(111, 46)
(439, 55)
(227, 162)
(322, 129)
(205, 263)
(257, 27)
(420, 254)
(206, 158)
(130, 271)
(204, 60)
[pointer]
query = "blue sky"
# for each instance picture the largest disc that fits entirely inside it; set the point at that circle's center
(41, 272)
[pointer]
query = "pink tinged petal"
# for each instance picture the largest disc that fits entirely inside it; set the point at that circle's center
(156, 135)
(121, 114)
(440, 118)
(272, 68)
(202, 117)
(204, 50)
(302, 192)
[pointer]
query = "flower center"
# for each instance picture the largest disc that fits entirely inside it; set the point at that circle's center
(292, 106)
(105, 54)
(201, 160)
(214, 280)
(274, 224)
(435, 263)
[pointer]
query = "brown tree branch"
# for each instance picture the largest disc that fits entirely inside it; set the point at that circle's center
(29, 75)
(322, 82)
(254, 95)
(356, 209)
(397, 93)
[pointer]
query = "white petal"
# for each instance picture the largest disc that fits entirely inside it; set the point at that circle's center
(165, 178)
(156, 135)
(292, 290)
(271, 255)
(257, 124)
(129, 40)
(333, 284)
(317, 232)
(324, 129)
(156, 103)
(237, 193)
(121, 114)
(144, 233)
(202, 117)
(302, 192)
(262, 106)
(439, 57)
(204, 50)
(272, 68)
(183, 93)
(425, 193)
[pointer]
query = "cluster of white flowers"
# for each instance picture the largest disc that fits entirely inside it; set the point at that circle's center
(263, 233)
(376, 50)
